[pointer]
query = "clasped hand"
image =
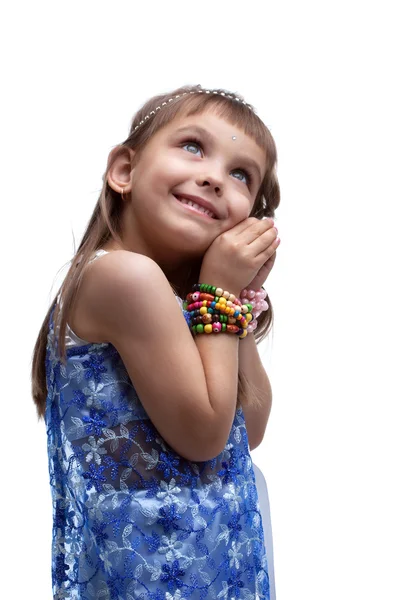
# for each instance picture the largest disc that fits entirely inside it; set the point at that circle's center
(243, 256)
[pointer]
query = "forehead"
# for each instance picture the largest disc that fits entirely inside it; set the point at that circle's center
(219, 133)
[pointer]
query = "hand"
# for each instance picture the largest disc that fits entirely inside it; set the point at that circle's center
(262, 274)
(238, 254)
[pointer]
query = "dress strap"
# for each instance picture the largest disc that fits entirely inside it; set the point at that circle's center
(98, 253)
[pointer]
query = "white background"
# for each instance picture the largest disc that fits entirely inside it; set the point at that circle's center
(323, 77)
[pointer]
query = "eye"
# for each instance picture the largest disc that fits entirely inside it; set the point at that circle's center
(192, 142)
(247, 175)
(195, 142)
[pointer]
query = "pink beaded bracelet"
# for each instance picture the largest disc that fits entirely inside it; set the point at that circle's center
(257, 299)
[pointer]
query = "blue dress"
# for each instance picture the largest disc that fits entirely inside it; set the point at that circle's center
(131, 517)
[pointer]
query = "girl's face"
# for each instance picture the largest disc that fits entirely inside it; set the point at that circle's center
(196, 156)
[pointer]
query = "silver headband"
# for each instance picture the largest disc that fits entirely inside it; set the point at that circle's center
(200, 91)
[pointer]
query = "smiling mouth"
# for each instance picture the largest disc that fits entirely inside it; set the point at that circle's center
(190, 205)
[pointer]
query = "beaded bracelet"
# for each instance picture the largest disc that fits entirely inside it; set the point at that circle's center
(213, 310)
(258, 302)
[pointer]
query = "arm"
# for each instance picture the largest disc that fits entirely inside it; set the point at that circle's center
(188, 388)
(256, 418)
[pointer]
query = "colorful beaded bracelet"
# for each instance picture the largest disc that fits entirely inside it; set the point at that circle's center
(258, 302)
(213, 310)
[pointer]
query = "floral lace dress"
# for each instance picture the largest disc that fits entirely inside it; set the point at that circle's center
(131, 517)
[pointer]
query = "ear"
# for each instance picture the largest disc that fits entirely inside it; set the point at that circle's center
(119, 167)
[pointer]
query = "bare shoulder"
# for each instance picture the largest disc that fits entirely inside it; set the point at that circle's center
(119, 266)
(106, 282)
(120, 283)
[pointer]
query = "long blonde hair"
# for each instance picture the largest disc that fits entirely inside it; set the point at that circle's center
(105, 222)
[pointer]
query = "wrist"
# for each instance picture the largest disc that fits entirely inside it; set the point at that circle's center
(219, 282)
(248, 340)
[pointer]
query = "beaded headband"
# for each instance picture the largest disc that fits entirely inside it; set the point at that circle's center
(200, 91)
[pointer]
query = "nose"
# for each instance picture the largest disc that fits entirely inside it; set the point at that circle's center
(212, 178)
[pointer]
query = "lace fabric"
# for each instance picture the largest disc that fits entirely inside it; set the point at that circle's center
(132, 518)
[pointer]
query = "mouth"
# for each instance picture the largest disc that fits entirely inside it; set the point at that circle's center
(195, 208)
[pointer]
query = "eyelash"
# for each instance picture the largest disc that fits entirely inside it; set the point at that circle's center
(198, 143)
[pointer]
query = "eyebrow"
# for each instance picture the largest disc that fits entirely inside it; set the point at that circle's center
(209, 136)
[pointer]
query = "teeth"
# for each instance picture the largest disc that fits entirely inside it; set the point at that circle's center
(197, 207)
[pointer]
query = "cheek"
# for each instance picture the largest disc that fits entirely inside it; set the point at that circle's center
(169, 173)
(233, 219)
(239, 210)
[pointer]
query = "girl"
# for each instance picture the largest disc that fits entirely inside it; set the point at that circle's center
(149, 428)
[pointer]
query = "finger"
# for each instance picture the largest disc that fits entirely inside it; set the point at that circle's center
(266, 243)
(253, 228)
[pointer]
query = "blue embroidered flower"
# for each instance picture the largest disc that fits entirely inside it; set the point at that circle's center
(235, 584)
(95, 421)
(95, 477)
(235, 526)
(152, 541)
(98, 530)
(152, 486)
(171, 575)
(116, 585)
(149, 430)
(231, 470)
(94, 367)
(157, 595)
(168, 517)
(167, 464)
